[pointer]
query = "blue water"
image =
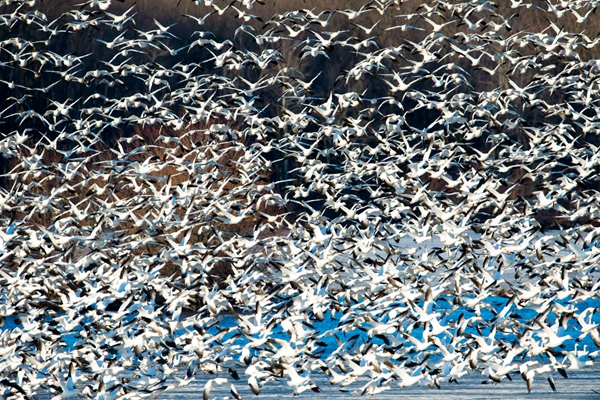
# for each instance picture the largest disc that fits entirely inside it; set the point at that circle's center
(329, 334)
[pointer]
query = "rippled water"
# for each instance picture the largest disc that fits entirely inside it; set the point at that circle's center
(580, 385)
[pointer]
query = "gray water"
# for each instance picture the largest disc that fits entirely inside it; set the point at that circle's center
(580, 385)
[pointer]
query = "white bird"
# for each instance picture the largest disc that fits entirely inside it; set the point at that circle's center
(219, 383)
(199, 20)
(367, 30)
(298, 383)
(409, 379)
(438, 27)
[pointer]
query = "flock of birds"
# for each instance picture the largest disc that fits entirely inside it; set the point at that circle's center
(404, 201)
